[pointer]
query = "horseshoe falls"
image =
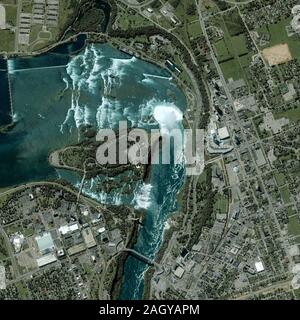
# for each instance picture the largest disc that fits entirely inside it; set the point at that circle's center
(99, 86)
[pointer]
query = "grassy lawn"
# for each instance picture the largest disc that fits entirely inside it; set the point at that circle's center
(13, 228)
(234, 23)
(291, 211)
(210, 6)
(231, 69)
(221, 204)
(3, 249)
(28, 232)
(280, 179)
(35, 30)
(132, 20)
(294, 226)
(240, 44)
(11, 15)
(45, 35)
(66, 9)
(22, 290)
(285, 194)
(182, 9)
(297, 293)
(236, 46)
(203, 177)
(8, 1)
(232, 52)
(293, 115)
(27, 8)
(222, 50)
(245, 61)
(7, 42)
(194, 29)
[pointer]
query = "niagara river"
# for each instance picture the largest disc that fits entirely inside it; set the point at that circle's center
(75, 85)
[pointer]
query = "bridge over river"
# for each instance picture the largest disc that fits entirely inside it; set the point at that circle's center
(145, 259)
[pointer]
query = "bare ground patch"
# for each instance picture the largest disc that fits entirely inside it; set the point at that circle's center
(277, 55)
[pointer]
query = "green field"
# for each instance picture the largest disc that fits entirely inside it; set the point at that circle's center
(11, 15)
(27, 7)
(221, 204)
(232, 69)
(131, 20)
(3, 249)
(239, 44)
(194, 29)
(285, 194)
(234, 23)
(245, 61)
(230, 47)
(35, 30)
(280, 179)
(232, 52)
(22, 289)
(8, 1)
(294, 226)
(293, 115)
(291, 211)
(7, 42)
(222, 50)
(297, 293)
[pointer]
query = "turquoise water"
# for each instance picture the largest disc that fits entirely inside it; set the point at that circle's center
(57, 93)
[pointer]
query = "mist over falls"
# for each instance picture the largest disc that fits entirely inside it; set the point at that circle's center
(99, 87)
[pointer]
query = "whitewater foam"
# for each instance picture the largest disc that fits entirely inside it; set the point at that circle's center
(142, 196)
(92, 73)
(168, 116)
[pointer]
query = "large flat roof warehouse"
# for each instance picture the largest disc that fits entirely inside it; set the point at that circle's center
(45, 242)
(68, 228)
(2, 17)
(259, 266)
(47, 259)
(223, 133)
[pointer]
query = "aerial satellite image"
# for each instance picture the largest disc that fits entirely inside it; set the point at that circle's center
(149, 150)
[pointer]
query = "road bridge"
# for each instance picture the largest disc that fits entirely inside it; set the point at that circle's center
(143, 258)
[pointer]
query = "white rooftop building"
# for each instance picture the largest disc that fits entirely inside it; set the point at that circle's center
(179, 272)
(223, 133)
(68, 228)
(45, 242)
(259, 267)
(46, 259)
(2, 17)
(101, 230)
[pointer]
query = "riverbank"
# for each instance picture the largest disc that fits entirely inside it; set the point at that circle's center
(48, 123)
(118, 280)
(174, 224)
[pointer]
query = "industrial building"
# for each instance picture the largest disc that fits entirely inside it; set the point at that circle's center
(45, 243)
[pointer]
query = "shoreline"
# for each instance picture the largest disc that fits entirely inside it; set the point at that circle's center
(116, 287)
(54, 161)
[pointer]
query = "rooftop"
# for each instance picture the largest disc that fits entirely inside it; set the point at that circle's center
(45, 242)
